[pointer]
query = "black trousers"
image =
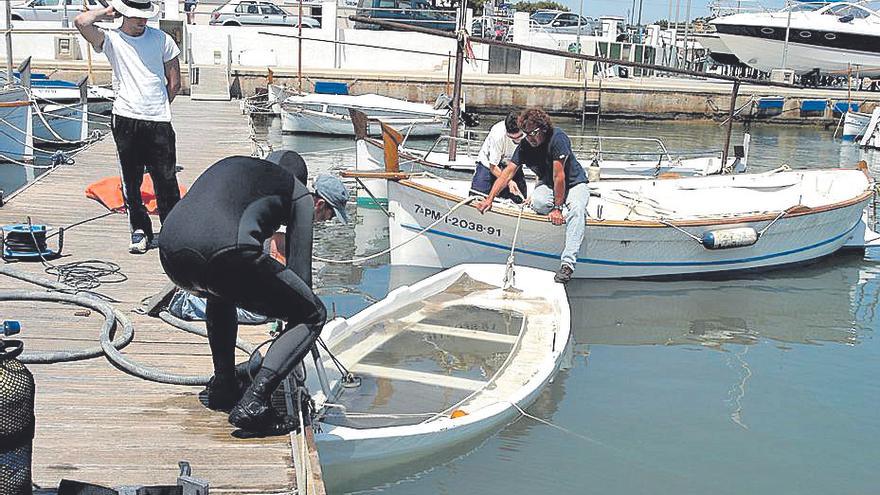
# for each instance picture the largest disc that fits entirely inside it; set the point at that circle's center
(145, 145)
(254, 281)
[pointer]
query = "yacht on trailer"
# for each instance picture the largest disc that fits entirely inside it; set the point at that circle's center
(828, 36)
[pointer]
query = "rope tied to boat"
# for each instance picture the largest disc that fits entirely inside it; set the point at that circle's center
(509, 271)
(442, 218)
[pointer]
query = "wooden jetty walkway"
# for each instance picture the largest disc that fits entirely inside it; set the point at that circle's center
(96, 423)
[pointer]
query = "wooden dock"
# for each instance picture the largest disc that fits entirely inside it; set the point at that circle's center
(96, 423)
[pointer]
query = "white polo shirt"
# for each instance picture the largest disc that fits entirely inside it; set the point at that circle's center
(496, 146)
(138, 64)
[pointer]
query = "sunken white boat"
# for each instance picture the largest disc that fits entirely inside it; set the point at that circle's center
(437, 364)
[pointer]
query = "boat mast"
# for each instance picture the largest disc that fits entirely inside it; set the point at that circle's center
(9, 79)
(787, 31)
(299, 57)
(456, 88)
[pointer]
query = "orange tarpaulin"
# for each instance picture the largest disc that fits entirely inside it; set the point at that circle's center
(108, 192)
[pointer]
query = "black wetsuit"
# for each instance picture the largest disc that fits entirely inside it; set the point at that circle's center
(211, 244)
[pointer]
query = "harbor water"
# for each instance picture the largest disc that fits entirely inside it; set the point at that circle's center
(762, 383)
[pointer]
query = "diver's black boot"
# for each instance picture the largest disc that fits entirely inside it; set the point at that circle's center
(223, 392)
(254, 412)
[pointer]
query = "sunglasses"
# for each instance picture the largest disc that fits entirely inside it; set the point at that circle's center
(534, 132)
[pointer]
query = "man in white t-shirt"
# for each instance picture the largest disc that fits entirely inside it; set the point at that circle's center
(146, 76)
(498, 147)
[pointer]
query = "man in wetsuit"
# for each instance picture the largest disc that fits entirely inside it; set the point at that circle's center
(212, 245)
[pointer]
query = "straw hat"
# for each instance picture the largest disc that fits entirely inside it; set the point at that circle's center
(145, 9)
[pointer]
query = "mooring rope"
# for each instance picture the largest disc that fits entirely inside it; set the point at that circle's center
(442, 218)
(509, 271)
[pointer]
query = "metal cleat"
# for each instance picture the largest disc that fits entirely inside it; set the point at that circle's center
(190, 484)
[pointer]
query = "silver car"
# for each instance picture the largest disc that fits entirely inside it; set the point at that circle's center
(50, 10)
(555, 21)
(249, 12)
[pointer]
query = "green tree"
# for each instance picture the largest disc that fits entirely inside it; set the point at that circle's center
(532, 7)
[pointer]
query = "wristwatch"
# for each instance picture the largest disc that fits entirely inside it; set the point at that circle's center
(557, 207)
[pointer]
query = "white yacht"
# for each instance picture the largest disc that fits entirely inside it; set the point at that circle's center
(829, 36)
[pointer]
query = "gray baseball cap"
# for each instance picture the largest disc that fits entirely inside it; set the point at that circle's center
(334, 192)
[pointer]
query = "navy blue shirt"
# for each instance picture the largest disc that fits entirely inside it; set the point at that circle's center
(540, 159)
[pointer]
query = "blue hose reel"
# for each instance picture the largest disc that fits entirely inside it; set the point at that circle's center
(26, 241)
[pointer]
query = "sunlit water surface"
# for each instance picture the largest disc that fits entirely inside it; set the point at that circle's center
(762, 384)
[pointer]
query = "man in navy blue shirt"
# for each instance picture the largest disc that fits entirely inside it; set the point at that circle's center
(561, 193)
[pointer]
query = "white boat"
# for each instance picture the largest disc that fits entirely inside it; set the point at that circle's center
(16, 125)
(436, 364)
(329, 114)
(871, 136)
(855, 124)
(717, 49)
(646, 228)
(370, 155)
(56, 125)
(829, 36)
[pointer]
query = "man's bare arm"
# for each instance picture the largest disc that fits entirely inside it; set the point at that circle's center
(172, 75)
(85, 23)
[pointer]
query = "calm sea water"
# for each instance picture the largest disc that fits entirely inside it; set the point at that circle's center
(760, 384)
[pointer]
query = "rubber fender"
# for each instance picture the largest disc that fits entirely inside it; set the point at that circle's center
(729, 238)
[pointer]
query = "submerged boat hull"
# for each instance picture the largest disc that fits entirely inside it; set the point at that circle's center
(610, 249)
(348, 453)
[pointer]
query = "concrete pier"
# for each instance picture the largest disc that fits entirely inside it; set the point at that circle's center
(650, 98)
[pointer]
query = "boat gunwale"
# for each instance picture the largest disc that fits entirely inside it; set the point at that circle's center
(515, 212)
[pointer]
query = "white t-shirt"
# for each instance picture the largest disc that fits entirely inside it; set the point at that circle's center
(138, 64)
(496, 146)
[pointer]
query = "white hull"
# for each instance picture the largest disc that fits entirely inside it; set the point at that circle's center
(631, 248)
(310, 122)
(766, 55)
(855, 124)
(56, 125)
(100, 99)
(348, 453)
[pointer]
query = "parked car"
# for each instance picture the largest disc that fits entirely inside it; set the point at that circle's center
(413, 12)
(49, 10)
(249, 13)
(557, 21)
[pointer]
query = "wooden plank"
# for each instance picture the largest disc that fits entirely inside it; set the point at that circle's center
(463, 333)
(419, 377)
(94, 422)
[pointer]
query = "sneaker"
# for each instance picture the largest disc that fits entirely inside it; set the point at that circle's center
(563, 276)
(139, 242)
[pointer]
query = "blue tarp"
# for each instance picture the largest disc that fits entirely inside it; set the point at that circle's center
(841, 107)
(331, 88)
(770, 102)
(813, 105)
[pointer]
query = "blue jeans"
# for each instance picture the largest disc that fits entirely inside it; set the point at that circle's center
(575, 213)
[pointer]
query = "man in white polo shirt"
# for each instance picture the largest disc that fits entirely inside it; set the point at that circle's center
(498, 147)
(146, 76)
